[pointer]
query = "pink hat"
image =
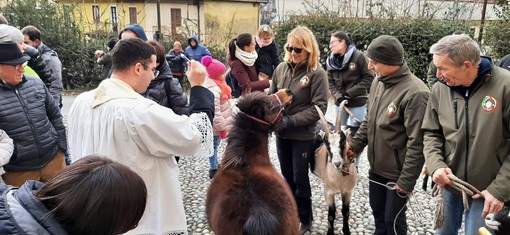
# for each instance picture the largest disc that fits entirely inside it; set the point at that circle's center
(214, 68)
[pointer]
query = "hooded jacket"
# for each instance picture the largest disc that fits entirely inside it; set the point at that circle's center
(197, 52)
(31, 117)
(22, 213)
(167, 91)
(482, 157)
(391, 128)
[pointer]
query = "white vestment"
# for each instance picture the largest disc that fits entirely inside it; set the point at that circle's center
(116, 122)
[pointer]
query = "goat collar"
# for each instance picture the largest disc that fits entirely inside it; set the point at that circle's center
(277, 115)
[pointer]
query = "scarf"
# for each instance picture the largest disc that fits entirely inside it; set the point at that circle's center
(247, 58)
(261, 44)
(226, 91)
(333, 62)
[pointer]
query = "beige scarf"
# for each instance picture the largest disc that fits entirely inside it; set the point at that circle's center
(248, 58)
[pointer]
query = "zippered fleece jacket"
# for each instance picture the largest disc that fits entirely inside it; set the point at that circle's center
(468, 131)
(309, 88)
(391, 129)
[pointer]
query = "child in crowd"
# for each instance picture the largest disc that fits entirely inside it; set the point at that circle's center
(267, 51)
(6, 150)
(222, 108)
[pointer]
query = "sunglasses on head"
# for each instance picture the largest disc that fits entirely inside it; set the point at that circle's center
(297, 50)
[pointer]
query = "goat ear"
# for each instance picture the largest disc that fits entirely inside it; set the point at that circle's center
(343, 139)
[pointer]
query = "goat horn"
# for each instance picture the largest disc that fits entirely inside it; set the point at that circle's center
(323, 120)
(338, 123)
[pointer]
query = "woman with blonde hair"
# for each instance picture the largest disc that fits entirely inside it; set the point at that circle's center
(302, 74)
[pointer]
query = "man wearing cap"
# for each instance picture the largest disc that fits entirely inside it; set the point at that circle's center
(32, 119)
(36, 65)
(392, 132)
(466, 131)
(133, 31)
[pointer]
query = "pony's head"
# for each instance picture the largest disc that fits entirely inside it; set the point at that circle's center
(335, 140)
(263, 108)
(500, 222)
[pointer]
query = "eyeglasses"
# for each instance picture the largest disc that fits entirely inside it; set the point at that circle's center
(154, 71)
(17, 66)
(333, 41)
(297, 50)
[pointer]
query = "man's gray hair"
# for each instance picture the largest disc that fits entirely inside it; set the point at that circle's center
(458, 48)
(10, 33)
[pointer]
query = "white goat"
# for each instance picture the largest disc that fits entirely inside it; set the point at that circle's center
(337, 172)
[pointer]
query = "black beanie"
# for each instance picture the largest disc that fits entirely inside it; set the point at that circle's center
(386, 49)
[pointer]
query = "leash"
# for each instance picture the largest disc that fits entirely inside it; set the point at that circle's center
(390, 186)
(459, 185)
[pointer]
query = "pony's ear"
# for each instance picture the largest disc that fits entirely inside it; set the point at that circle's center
(257, 109)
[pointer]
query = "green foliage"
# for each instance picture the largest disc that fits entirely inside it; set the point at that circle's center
(496, 38)
(61, 32)
(416, 36)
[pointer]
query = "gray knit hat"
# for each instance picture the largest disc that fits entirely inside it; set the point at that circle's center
(386, 49)
(9, 33)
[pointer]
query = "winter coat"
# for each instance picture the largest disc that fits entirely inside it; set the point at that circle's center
(167, 91)
(6, 148)
(352, 81)
(22, 213)
(247, 77)
(223, 116)
(467, 131)
(391, 128)
(52, 61)
(267, 59)
(31, 117)
(176, 62)
(197, 52)
(37, 63)
(106, 62)
(309, 88)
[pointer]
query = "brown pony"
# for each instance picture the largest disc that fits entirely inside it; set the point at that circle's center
(248, 195)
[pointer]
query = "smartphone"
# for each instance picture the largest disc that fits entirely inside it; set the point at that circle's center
(185, 58)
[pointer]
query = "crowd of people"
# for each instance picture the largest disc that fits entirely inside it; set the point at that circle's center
(124, 138)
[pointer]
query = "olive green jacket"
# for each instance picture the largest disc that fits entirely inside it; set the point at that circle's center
(309, 88)
(391, 129)
(470, 133)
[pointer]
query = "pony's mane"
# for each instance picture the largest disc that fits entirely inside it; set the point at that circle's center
(245, 131)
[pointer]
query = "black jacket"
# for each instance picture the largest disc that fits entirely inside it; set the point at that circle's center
(166, 91)
(267, 59)
(176, 62)
(31, 117)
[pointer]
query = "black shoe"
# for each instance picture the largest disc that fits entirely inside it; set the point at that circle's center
(212, 173)
(303, 228)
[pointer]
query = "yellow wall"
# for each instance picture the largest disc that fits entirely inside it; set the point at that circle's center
(84, 15)
(223, 21)
(219, 21)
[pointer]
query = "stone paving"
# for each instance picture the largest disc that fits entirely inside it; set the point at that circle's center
(194, 183)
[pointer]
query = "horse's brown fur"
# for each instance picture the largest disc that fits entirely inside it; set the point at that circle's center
(247, 195)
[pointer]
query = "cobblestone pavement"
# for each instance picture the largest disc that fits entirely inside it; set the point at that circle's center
(194, 183)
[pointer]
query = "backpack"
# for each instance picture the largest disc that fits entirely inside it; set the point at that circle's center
(233, 84)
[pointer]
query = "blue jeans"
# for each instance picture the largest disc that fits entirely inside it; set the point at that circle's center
(453, 211)
(353, 123)
(213, 160)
